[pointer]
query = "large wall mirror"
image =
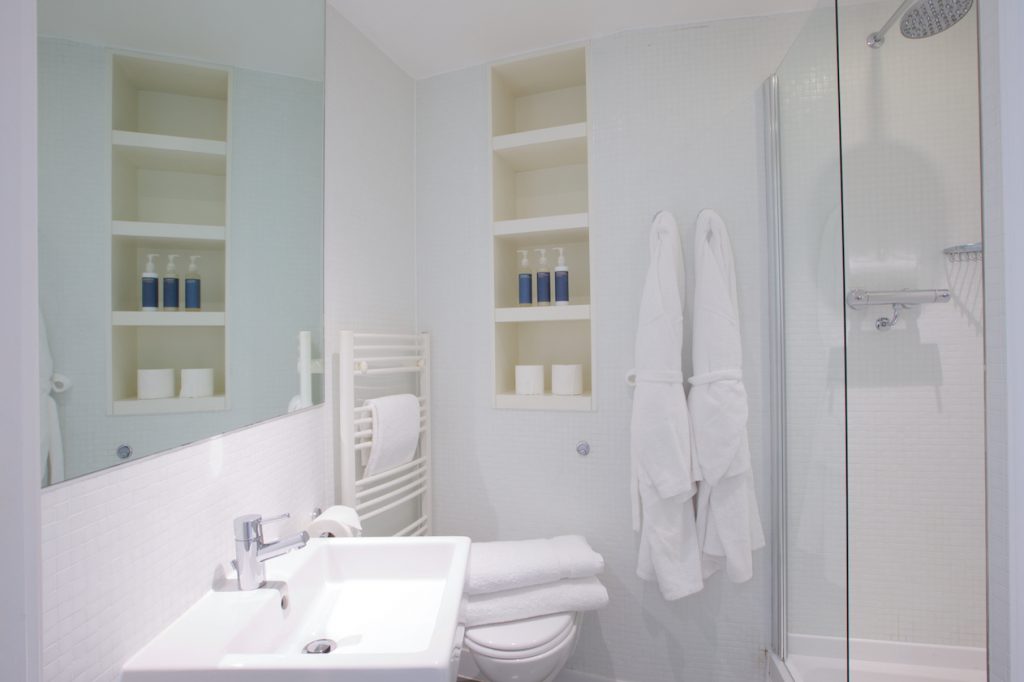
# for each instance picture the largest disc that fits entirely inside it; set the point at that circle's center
(180, 222)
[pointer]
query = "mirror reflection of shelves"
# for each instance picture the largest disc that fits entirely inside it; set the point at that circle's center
(168, 196)
(541, 201)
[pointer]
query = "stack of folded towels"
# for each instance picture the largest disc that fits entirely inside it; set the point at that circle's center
(510, 581)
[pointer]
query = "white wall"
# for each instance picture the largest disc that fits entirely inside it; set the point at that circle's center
(675, 125)
(916, 393)
(369, 243)
(1006, 173)
(19, 380)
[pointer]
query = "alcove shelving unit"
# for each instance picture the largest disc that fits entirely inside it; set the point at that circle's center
(540, 200)
(169, 187)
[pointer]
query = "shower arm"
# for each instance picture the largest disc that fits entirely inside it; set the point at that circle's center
(877, 39)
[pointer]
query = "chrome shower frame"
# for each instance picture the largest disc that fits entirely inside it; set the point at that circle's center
(777, 360)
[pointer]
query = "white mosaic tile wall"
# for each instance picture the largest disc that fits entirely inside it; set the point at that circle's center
(916, 411)
(127, 550)
(675, 124)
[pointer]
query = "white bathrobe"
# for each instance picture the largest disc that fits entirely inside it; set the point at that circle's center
(660, 443)
(728, 523)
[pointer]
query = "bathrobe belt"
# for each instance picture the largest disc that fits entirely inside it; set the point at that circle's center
(717, 375)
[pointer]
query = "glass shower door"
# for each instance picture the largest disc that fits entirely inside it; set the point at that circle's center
(809, 406)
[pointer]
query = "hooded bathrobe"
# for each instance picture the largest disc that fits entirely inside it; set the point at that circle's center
(663, 483)
(728, 523)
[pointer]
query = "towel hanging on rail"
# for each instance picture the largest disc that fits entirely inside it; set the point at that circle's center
(396, 431)
(728, 523)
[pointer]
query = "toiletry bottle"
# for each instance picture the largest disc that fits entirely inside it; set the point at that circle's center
(561, 279)
(525, 280)
(543, 278)
(150, 286)
(192, 284)
(171, 284)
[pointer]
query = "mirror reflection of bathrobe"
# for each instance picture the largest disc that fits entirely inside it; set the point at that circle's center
(663, 484)
(728, 523)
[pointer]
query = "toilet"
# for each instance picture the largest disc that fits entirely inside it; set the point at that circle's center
(530, 650)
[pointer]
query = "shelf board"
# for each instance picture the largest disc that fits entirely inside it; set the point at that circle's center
(549, 230)
(511, 401)
(167, 152)
(170, 405)
(168, 231)
(542, 313)
(167, 318)
(543, 148)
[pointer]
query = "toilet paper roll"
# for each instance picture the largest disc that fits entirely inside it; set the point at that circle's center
(338, 521)
(197, 383)
(567, 379)
(155, 383)
(529, 379)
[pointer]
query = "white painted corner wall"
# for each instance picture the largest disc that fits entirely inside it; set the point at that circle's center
(19, 348)
(369, 199)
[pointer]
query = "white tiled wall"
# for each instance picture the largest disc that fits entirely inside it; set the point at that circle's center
(675, 125)
(916, 410)
(127, 550)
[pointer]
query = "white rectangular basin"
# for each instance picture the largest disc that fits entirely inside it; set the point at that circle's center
(390, 605)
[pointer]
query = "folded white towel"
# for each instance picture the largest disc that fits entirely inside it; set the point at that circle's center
(396, 431)
(578, 594)
(497, 566)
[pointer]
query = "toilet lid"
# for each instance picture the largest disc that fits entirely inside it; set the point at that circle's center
(520, 635)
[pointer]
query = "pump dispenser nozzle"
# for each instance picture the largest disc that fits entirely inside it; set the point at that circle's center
(171, 269)
(150, 264)
(524, 260)
(561, 254)
(193, 264)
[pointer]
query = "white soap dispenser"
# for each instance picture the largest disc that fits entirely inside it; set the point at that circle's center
(561, 278)
(150, 286)
(171, 288)
(192, 283)
(525, 279)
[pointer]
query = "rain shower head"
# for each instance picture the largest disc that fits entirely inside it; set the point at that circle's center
(923, 19)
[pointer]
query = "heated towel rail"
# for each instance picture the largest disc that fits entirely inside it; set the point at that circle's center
(372, 365)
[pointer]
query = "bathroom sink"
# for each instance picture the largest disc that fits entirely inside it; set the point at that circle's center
(379, 610)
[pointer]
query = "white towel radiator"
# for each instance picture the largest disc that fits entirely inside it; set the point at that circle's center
(370, 366)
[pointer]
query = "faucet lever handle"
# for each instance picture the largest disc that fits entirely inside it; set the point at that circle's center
(279, 517)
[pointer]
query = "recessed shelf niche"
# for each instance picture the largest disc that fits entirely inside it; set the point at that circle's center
(541, 200)
(169, 161)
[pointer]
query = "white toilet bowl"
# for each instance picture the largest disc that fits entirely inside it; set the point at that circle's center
(532, 650)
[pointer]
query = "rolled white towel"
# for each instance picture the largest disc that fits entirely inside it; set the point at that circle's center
(497, 566)
(578, 594)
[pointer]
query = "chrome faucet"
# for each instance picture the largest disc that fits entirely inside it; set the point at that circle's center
(251, 551)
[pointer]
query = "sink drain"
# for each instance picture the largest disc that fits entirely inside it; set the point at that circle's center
(320, 646)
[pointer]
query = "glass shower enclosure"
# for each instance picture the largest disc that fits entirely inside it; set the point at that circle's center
(877, 346)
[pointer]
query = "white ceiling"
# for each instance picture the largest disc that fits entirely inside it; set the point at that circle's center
(428, 37)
